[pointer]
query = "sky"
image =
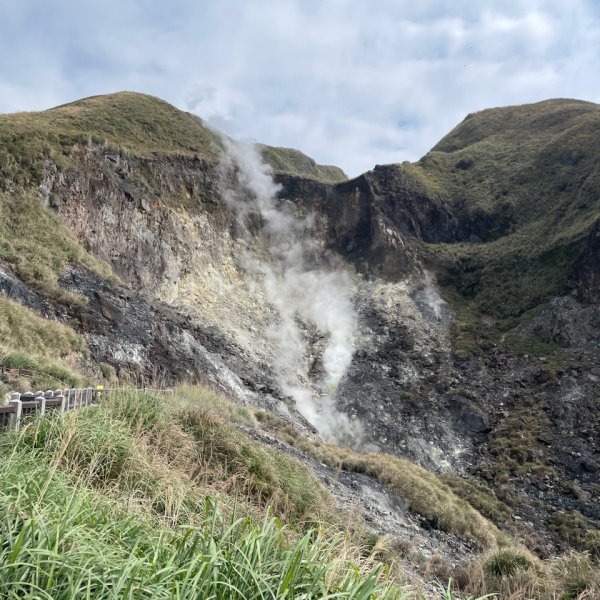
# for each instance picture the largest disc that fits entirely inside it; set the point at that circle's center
(349, 82)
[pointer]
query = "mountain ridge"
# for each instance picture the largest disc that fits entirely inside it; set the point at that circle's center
(474, 279)
(144, 125)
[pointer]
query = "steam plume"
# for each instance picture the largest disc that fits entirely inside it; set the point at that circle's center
(305, 293)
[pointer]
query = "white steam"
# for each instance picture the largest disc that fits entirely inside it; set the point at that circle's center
(306, 295)
(431, 297)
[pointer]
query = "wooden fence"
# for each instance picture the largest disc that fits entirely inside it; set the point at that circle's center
(21, 406)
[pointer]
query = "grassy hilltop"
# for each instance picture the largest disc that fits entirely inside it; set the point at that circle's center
(527, 181)
(135, 123)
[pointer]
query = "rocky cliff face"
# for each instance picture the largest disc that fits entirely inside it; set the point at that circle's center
(168, 233)
(585, 273)
(507, 397)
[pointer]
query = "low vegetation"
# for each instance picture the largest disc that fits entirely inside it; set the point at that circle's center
(427, 494)
(523, 182)
(43, 373)
(511, 575)
(52, 351)
(134, 123)
(22, 329)
(152, 497)
(479, 497)
(37, 246)
(126, 122)
(577, 531)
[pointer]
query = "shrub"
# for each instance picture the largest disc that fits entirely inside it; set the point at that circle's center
(507, 563)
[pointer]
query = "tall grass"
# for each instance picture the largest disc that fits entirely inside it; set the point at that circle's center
(60, 540)
(512, 575)
(101, 503)
(131, 500)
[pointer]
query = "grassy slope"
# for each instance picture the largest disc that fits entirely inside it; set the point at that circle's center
(38, 247)
(531, 175)
(127, 500)
(121, 501)
(50, 349)
(426, 493)
(294, 162)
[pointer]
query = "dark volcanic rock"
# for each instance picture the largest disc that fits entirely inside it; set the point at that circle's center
(586, 271)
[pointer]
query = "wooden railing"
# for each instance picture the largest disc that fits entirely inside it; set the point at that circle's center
(21, 406)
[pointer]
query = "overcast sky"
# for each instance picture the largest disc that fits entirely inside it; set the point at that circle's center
(350, 82)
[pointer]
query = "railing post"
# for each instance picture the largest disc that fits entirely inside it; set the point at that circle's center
(39, 397)
(58, 394)
(97, 395)
(15, 422)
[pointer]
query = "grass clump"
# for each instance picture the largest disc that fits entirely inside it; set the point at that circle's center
(512, 575)
(205, 399)
(517, 445)
(508, 563)
(478, 496)
(579, 575)
(64, 541)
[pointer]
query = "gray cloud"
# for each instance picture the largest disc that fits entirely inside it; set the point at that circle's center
(352, 83)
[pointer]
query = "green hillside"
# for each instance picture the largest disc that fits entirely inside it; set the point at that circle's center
(524, 184)
(293, 162)
(136, 123)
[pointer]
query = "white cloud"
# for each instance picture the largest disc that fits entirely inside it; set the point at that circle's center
(352, 83)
